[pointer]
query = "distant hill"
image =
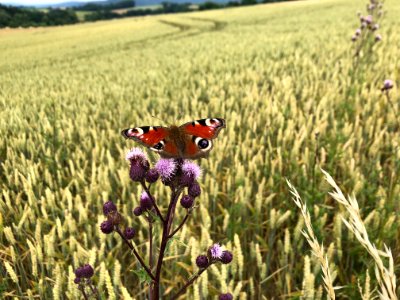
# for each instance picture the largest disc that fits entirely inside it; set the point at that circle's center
(156, 2)
(107, 2)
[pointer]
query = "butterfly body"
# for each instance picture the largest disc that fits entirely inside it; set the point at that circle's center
(192, 140)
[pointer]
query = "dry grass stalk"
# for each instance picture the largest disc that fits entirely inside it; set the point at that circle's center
(317, 249)
(385, 276)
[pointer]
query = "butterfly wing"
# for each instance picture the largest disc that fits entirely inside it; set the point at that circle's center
(156, 138)
(199, 135)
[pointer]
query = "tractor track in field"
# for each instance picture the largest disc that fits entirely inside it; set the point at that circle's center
(216, 26)
(185, 31)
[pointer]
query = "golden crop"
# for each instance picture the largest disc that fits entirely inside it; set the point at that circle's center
(283, 77)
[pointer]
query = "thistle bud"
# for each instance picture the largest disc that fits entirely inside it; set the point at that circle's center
(227, 296)
(129, 233)
(187, 201)
(194, 189)
(226, 257)
(79, 272)
(87, 271)
(202, 261)
(107, 227)
(152, 176)
(145, 201)
(109, 207)
(137, 211)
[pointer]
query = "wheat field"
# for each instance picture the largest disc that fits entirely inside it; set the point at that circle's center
(284, 78)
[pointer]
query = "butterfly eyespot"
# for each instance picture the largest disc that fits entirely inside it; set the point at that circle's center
(203, 143)
(211, 122)
(158, 146)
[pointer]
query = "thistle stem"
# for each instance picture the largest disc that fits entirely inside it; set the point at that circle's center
(151, 289)
(180, 226)
(189, 282)
(94, 290)
(136, 254)
(392, 106)
(82, 288)
(152, 200)
(164, 240)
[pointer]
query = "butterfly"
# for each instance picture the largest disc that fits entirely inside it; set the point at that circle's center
(191, 140)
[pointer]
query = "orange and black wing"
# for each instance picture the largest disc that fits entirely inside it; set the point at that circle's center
(153, 137)
(199, 135)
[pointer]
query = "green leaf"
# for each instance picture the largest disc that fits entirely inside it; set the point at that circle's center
(142, 275)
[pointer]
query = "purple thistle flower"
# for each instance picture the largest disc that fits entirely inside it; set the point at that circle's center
(363, 25)
(187, 201)
(215, 251)
(137, 211)
(368, 19)
(194, 189)
(106, 227)
(202, 261)
(139, 164)
(77, 280)
(87, 271)
(358, 32)
(135, 154)
(227, 296)
(129, 233)
(387, 85)
(362, 19)
(375, 27)
(378, 38)
(226, 257)
(152, 176)
(145, 201)
(190, 172)
(354, 38)
(108, 207)
(166, 168)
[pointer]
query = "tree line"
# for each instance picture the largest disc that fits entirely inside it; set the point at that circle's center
(26, 17)
(22, 17)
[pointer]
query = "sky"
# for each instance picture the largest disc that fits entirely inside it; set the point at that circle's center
(35, 2)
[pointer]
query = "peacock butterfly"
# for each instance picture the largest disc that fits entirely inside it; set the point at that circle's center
(191, 140)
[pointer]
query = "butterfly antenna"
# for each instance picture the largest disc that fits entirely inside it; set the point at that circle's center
(180, 115)
(162, 121)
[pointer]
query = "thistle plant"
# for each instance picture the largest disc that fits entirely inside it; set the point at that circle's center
(83, 280)
(387, 86)
(366, 35)
(180, 177)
